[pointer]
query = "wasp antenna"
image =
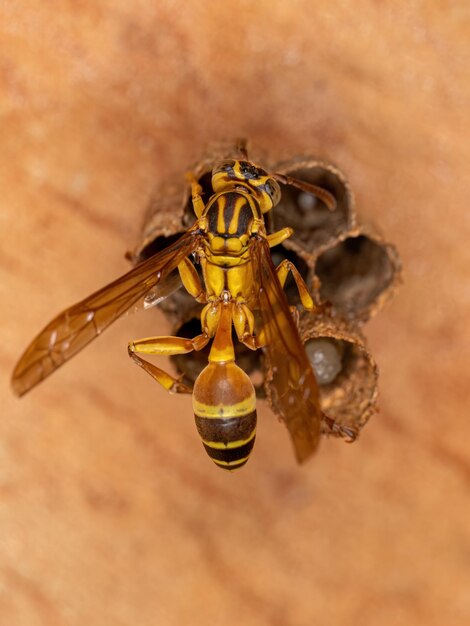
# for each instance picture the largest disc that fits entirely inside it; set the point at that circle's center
(324, 195)
(241, 147)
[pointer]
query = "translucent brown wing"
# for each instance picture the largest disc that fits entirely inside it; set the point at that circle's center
(73, 329)
(293, 388)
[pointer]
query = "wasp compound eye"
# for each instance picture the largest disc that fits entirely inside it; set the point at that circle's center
(272, 189)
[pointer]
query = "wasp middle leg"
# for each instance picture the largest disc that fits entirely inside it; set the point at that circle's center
(282, 271)
(287, 266)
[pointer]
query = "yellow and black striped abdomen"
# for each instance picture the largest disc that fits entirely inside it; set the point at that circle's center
(224, 405)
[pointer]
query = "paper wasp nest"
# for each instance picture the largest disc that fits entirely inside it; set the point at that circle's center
(345, 264)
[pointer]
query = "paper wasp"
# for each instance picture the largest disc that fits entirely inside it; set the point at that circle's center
(241, 290)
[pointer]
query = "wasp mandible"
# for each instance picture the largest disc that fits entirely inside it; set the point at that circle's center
(240, 290)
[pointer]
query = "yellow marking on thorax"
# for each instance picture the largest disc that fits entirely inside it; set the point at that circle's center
(221, 204)
(233, 226)
(226, 260)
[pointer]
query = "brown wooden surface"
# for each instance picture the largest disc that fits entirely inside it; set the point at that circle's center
(110, 512)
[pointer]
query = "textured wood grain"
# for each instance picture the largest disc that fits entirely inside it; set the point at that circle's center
(110, 512)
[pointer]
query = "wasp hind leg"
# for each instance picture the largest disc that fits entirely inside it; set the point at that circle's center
(244, 324)
(165, 346)
(171, 345)
(331, 427)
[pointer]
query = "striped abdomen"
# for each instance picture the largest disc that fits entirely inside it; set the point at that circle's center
(224, 405)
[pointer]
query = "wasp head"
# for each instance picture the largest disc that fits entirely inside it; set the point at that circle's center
(247, 176)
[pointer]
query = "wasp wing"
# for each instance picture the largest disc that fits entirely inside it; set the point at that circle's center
(293, 388)
(75, 327)
(157, 294)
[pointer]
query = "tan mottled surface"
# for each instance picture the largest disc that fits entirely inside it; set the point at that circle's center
(110, 512)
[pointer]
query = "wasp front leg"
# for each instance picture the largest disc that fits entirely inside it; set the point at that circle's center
(196, 190)
(165, 346)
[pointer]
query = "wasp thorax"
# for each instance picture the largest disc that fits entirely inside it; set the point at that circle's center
(224, 404)
(227, 245)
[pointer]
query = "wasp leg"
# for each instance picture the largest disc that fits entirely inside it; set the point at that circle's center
(338, 430)
(283, 270)
(196, 190)
(244, 324)
(191, 281)
(287, 266)
(165, 346)
(253, 342)
(274, 239)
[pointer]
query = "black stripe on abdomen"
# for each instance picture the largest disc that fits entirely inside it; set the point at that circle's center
(228, 441)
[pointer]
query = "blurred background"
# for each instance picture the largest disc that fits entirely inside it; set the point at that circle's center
(110, 511)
